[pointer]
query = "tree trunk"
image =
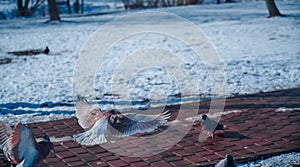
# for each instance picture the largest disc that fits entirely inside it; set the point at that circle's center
(53, 11)
(26, 11)
(20, 11)
(272, 8)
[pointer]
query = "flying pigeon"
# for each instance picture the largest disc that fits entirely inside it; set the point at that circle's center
(228, 161)
(100, 124)
(209, 124)
(20, 147)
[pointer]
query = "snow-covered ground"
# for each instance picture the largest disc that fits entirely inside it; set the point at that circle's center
(284, 160)
(257, 53)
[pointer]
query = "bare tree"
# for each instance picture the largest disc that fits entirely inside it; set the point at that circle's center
(25, 9)
(272, 8)
(53, 11)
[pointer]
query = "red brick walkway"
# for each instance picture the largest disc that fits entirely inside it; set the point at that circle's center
(257, 131)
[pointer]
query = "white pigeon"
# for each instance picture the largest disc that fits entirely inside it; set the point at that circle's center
(20, 147)
(100, 124)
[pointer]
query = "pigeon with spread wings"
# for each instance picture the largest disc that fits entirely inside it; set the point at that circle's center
(100, 124)
(20, 146)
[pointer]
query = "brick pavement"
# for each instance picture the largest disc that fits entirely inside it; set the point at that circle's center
(255, 132)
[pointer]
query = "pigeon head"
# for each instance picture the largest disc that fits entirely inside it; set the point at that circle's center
(229, 159)
(228, 156)
(46, 138)
(204, 116)
(115, 117)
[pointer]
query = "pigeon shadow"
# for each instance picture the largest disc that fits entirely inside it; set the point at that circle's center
(237, 135)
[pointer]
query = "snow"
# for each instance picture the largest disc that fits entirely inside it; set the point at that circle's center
(258, 54)
(284, 160)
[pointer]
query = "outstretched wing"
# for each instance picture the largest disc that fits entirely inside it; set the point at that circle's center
(22, 144)
(5, 132)
(95, 135)
(130, 123)
(87, 114)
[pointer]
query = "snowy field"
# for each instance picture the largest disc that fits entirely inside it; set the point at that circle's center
(258, 54)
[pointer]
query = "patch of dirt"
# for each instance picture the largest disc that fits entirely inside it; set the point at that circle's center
(30, 52)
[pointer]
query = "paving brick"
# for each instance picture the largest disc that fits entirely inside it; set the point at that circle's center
(76, 163)
(51, 160)
(87, 157)
(78, 150)
(162, 163)
(194, 148)
(71, 159)
(131, 159)
(243, 143)
(204, 153)
(213, 148)
(185, 143)
(71, 144)
(55, 164)
(181, 163)
(152, 159)
(173, 158)
(97, 164)
(256, 148)
(174, 148)
(110, 158)
(264, 143)
(182, 153)
(139, 164)
(234, 148)
(103, 154)
(117, 163)
(195, 159)
(213, 157)
(65, 154)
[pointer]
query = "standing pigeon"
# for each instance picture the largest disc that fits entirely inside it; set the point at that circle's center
(228, 161)
(20, 146)
(99, 124)
(210, 125)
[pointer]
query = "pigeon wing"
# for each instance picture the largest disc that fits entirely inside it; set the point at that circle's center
(5, 132)
(87, 114)
(95, 135)
(22, 145)
(131, 123)
(211, 125)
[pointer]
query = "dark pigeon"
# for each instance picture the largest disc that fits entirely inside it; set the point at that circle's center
(210, 125)
(20, 147)
(98, 124)
(228, 161)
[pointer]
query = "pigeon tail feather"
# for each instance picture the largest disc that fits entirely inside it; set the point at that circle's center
(87, 138)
